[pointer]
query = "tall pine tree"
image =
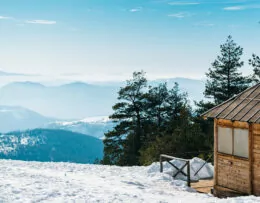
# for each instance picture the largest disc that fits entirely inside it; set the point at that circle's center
(255, 63)
(155, 110)
(123, 143)
(223, 82)
(224, 79)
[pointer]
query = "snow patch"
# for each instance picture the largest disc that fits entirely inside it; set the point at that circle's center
(93, 126)
(10, 143)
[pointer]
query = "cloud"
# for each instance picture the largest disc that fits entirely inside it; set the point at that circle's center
(183, 3)
(239, 8)
(5, 18)
(179, 15)
(43, 22)
(138, 9)
(234, 8)
(204, 24)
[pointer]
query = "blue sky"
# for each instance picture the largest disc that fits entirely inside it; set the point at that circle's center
(109, 39)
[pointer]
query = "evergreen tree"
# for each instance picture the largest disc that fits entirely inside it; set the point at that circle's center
(255, 63)
(224, 79)
(207, 126)
(151, 121)
(223, 82)
(156, 109)
(183, 136)
(177, 101)
(122, 144)
(163, 106)
(176, 133)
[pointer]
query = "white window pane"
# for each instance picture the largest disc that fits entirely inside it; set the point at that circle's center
(225, 140)
(241, 142)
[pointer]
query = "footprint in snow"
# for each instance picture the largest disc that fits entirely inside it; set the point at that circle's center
(141, 186)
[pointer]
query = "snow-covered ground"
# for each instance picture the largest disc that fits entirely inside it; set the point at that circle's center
(66, 182)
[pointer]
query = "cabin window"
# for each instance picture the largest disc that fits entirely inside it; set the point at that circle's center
(237, 145)
(225, 140)
(241, 142)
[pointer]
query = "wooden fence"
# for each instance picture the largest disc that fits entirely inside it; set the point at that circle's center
(186, 164)
(179, 170)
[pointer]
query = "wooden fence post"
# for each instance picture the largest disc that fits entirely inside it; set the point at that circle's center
(161, 164)
(188, 173)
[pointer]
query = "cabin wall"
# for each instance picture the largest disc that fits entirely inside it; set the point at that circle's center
(256, 159)
(232, 172)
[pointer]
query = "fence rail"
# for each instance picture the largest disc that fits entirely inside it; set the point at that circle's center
(179, 170)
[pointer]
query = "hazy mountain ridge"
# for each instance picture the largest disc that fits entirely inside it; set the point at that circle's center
(50, 145)
(79, 100)
(14, 118)
(4, 73)
(75, 100)
(20, 119)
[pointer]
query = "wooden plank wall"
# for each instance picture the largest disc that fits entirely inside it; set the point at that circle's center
(233, 172)
(256, 159)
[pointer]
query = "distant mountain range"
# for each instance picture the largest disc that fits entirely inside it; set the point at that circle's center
(50, 145)
(55, 109)
(75, 100)
(20, 119)
(78, 100)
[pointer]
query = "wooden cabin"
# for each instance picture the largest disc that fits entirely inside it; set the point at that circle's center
(237, 144)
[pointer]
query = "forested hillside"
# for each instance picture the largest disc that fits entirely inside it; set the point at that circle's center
(50, 145)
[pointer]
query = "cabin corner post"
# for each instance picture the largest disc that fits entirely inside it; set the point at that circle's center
(215, 152)
(250, 145)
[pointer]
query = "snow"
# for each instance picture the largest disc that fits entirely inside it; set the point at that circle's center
(96, 119)
(93, 126)
(10, 143)
(66, 182)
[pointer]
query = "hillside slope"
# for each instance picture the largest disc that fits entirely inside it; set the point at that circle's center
(13, 118)
(50, 145)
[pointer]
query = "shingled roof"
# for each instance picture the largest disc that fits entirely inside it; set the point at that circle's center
(244, 107)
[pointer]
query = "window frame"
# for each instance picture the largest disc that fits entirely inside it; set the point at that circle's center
(233, 141)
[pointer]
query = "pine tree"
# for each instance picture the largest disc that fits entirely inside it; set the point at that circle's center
(223, 82)
(151, 121)
(172, 121)
(123, 143)
(224, 79)
(155, 109)
(255, 63)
